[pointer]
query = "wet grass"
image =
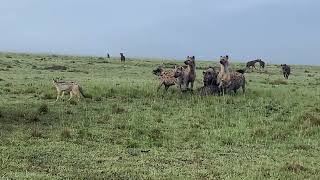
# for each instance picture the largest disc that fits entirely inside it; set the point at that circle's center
(127, 130)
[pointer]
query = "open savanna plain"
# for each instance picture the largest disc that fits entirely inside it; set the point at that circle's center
(128, 130)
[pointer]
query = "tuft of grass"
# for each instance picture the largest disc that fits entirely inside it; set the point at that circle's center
(117, 110)
(98, 99)
(258, 132)
(43, 109)
(310, 119)
(36, 133)
(294, 167)
(66, 133)
(73, 102)
(33, 117)
(278, 82)
(47, 96)
(56, 68)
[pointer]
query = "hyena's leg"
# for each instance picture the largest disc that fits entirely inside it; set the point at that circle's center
(71, 95)
(166, 87)
(192, 82)
(187, 85)
(243, 88)
(159, 86)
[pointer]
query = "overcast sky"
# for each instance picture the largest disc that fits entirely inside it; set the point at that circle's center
(279, 31)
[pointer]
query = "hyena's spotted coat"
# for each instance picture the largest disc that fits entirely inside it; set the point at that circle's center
(166, 77)
(229, 81)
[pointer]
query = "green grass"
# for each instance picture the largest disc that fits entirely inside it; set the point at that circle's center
(129, 131)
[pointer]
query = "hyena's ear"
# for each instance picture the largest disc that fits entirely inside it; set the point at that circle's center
(175, 66)
(203, 72)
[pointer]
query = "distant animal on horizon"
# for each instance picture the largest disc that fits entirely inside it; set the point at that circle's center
(286, 70)
(122, 57)
(262, 63)
(229, 81)
(252, 64)
(187, 75)
(108, 55)
(71, 87)
(166, 77)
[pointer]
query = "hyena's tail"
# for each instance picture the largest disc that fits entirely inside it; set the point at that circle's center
(82, 93)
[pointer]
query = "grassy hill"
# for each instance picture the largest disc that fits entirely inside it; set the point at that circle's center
(127, 130)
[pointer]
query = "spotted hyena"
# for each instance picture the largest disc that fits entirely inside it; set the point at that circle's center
(286, 70)
(210, 85)
(187, 74)
(229, 81)
(167, 77)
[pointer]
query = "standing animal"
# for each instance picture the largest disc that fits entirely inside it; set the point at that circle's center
(122, 57)
(262, 63)
(252, 64)
(69, 87)
(210, 86)
(229, 81)
(187, 75)
(286, 70)
(166, 77)
(108, 55)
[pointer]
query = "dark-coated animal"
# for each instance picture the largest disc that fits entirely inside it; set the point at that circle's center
(210, 86)
(262, 63)
(286, 70)
(229, 81)
(252, 64)
(242, 71)
(166, 77)
(108, 55)
(122, 57)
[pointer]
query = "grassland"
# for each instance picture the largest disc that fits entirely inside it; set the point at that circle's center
(129, 131)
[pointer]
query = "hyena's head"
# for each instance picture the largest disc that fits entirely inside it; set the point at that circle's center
(178, 72)
(191, 61)
(210, 77)
(224, 60)
(157, 71)
(57, 80)
(283, 66)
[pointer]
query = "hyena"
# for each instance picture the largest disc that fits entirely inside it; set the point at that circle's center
(166, 77)
(187, 75)
(69, 87)
(210, 85)
(229, 81)
(286, 70)
(122, 57)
